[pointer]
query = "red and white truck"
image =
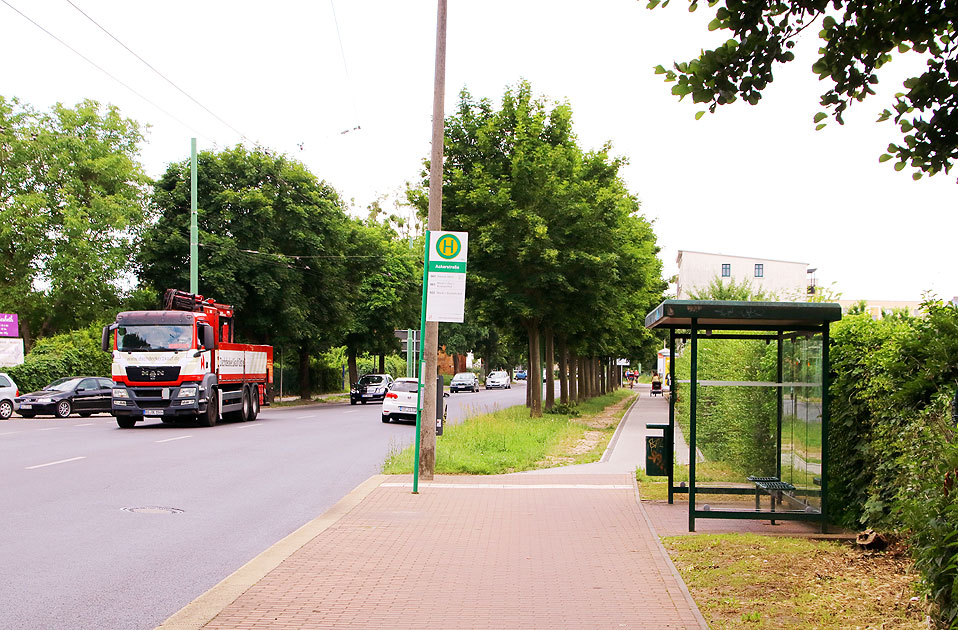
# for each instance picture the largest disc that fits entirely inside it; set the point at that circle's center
(180, 363)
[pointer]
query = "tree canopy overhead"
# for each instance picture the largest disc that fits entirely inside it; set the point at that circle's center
(858, 39)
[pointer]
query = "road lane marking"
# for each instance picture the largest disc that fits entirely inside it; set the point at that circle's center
(62, 461)
(9, 433)
(88, 424)
(49, 429)
(250, 426)
(182, 437)
(302, 417)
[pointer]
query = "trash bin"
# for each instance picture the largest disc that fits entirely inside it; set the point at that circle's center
(657, 452)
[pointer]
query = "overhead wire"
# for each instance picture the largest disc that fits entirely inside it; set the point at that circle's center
(157, 72)
(101, 69)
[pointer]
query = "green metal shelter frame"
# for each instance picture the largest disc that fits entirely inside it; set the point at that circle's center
(695, 320)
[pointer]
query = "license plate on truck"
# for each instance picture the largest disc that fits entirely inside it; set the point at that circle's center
(152, 412)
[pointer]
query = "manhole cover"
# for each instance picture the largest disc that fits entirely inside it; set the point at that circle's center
(153, 509)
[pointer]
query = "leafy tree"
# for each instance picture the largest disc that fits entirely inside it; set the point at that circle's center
(857, 40)
(731, 290)
(386, 290)
(553, 231)
(73, 199)
(274, 243)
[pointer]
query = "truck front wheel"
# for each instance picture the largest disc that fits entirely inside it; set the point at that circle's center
(209, 418)
(125, 422)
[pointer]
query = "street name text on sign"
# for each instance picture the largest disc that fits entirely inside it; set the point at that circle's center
(446, 290)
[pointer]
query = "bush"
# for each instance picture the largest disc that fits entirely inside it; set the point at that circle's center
(75, 353)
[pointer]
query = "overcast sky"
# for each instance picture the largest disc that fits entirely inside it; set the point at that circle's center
(747, 181)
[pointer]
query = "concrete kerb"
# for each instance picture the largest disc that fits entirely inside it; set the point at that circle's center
(204, 608)
(668, 560)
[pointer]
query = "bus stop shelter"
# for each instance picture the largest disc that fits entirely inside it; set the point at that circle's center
(752, 404)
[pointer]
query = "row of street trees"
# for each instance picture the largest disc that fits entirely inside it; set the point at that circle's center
(558, 248)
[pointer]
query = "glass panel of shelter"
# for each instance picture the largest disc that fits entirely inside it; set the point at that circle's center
(740, 464)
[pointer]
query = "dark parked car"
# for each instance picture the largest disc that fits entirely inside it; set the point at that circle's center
(86, 395)
(370, 387)
(464, 382)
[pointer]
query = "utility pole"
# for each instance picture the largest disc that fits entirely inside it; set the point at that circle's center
(430, 345)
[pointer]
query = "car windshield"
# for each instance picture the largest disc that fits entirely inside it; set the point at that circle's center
(63, 385)
(404, 386)
(462, 377)
(498, 375)
(154, 338)
(371, 379)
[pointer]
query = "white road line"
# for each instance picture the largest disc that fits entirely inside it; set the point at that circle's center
(88, 424)
(353, 411)
(302, 417)
(9, 433)
(62, 461)
(182, 437)
(49, 429)
(250, 426)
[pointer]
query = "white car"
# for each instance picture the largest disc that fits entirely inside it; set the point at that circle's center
(8, 396)
(400, 400)
(498, 379)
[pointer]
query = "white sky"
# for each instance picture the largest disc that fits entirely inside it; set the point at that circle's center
(749, 181)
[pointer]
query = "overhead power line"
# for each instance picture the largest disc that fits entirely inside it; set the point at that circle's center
(101, 69)
(158, 73)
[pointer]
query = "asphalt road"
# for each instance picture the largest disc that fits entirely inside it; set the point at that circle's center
(74, 555)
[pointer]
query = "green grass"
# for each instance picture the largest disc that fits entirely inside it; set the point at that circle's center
(751, 581)
(509, 440)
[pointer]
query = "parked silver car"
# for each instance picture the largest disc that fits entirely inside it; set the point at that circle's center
(498, 379)
(8, 396)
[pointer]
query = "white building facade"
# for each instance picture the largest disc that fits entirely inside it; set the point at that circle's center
(785, 280)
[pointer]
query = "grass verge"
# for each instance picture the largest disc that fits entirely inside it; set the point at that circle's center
(754, 582)
(509, 440)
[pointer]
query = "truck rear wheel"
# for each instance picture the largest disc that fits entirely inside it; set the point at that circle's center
(125, 422)
(254, 398)
(246, 411)
(209, 418)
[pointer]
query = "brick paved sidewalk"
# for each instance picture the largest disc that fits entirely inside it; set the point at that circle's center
(508, 551)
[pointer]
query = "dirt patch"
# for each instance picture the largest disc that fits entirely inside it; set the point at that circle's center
(750, 581)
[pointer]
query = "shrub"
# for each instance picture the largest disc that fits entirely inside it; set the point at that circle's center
(76, 353)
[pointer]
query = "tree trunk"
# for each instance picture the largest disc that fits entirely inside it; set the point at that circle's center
(550, 361)
(583, 378)
(596, 377)
(534, 375)
(305, 387)
(351, 362)
(563, 371)
(573, 378)
(602, 373)
(382, 364)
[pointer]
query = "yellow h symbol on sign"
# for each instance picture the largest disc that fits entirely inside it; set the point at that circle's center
(448, 246)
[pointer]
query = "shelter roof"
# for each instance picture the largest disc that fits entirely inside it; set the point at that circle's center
(742, 315)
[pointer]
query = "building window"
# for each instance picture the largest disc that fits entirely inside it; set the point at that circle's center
(726, 270)
(759, 270)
